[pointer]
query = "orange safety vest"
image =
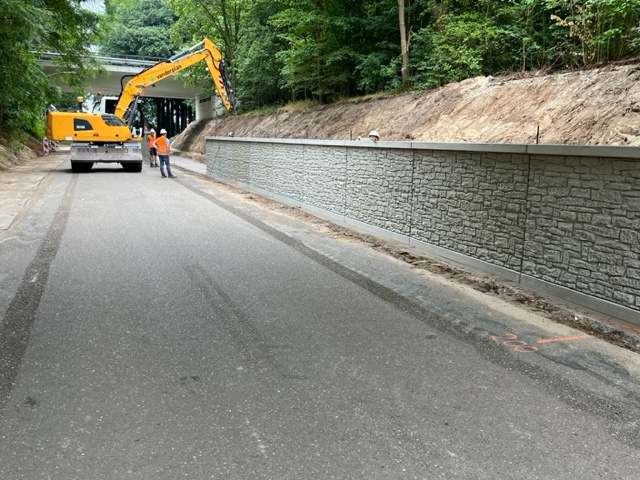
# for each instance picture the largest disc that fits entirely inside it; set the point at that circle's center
(163, 147)
(150, 139)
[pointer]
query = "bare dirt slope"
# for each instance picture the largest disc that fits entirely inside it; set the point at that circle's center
(10, 157)
(599, 106)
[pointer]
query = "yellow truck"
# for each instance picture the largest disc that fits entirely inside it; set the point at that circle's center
(107, 137)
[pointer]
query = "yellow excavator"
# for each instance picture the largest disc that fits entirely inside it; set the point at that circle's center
(107, 137)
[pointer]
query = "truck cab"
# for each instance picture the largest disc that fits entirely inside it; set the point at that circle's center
(104, 104)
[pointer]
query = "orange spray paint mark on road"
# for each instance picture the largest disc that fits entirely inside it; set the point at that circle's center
(511, 340)
(562, 339)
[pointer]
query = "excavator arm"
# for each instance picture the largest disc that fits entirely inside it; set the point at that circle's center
(204, 50)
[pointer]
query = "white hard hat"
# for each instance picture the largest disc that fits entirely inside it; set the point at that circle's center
(152, 131)
(163, 131)
(373, 133)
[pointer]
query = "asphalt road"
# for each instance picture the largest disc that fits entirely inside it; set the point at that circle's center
(165, 328)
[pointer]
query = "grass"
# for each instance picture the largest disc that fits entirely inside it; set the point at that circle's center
(258, 112)
(304, 105)
(299, 106)
(292, 107)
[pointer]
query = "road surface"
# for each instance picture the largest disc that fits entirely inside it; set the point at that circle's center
(166, 328)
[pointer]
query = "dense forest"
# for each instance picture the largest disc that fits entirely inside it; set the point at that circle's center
(317, 51)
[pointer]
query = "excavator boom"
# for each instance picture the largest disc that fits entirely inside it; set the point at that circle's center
(204, 50)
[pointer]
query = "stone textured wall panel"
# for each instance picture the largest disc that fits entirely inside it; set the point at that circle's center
(325, 177)
(261, 158)
(288, 165)
(471, 203)
(219, 163)
(379, 188)
(583, 224)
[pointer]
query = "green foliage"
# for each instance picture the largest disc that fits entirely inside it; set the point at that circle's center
(599, 30)
(258, 69)
(221, 21)
(17, 140)
(327, 49)
(299, 28)
(376, 41)
(300, 106)
(455, 50)
(329, 42)
(31, 26)
(140, 28)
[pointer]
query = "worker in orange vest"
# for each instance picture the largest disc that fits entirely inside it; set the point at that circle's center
(162, 148)
(153, 154)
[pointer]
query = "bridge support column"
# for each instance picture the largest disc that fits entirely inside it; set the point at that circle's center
(204, 108)
(210, 107)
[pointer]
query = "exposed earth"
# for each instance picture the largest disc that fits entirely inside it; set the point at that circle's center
(15, 155)
(597, 106)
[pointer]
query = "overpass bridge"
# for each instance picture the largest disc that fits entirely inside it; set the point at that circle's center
(168, 93)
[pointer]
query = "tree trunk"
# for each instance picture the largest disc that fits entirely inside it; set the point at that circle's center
(404, 45)
(319, 35)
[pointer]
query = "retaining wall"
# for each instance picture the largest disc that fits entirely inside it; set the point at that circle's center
(564, 220)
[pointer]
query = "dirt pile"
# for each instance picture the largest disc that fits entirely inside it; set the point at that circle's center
(599, 106)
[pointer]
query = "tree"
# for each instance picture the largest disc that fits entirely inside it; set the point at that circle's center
(140, 28)
(322, 50)
(219, 20)
(31, 26)
(299, 27)
(326, 43)
(405, 37)
(258, 77)
(599, 30)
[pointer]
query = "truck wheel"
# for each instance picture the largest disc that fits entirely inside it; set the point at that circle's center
(78, 167)
(132, 167)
